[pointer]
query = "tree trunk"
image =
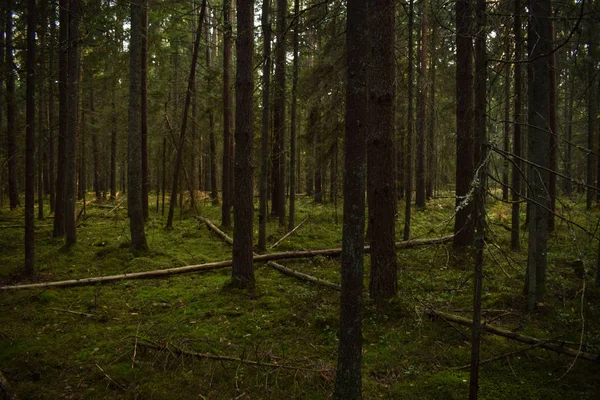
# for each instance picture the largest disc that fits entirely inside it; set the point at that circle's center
(463, 222)
(73, 76)
(186, 108)
(294, 123)
(516, 161)
(243, 270)
(538, 146)
(227, 113)
(553, 128)
(144, 107)
(30, 140)
(264, 151)
(506, 137)
(421, 107)
(568, 185)
(348, 382)
(431, 126)
(51, 85)
(134, 145)
(591, 115)
(12, 151)
(42, 111)
(95, 148)
(410, 132)
(381, 192)
(279, 115)
(113, 143)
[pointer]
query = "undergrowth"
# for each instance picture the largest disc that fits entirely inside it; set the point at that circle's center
(136, 339)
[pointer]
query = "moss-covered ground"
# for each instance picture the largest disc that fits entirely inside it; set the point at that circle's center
(49, 352)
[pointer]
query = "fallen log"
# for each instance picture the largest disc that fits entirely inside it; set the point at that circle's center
(518, 337)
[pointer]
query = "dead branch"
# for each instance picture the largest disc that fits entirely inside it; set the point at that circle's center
(518, 337)
(289, 233)
(305, 277)
(5, 388)
(74, 312)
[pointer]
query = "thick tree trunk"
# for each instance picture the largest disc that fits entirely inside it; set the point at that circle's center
(294, 123)
(51, 85)
(42, 110)
(516, 162)
(30, 140)
(12, 151)
(348, 382)
(381, 192)
(431, 126)
(227, 113)
(279, 115)
(264, 151)
(421, 107)
(186, 108)
(464, 221)
(553, 128)
(538, 146)
(243, 208)
(73, 76)
(144, 108)
(134, 145)
(408, 189)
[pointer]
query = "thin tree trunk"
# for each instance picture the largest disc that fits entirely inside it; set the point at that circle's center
(12, 151)
(113, 143)
(227, 113)
(421, 107)
(186, 108)
(348, 382)
(506, 138)
(42, 111)
(95, 148)
(144, 109)
(30, 140)
(293, 128)
(591, 115)
(410, 132)
(51, 85)
(553, 127)
(264, 152)
(431, 126)
(516, 162)
(134, 145)
(279, 113)
(72, 121)
(569, 129)
(243, 270)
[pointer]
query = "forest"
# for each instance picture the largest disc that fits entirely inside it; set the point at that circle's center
(299, 199)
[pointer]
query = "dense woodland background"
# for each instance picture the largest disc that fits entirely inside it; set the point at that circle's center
(459, 141)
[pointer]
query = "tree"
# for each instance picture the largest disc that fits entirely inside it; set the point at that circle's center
(421, 107)
(70, 154)
(381, 191)
(293, 122)
(11, 146)
(279, 116)
(348, 382)
(30, 140)
(227, 113)
(243, 271)
(539, 44)
(516, 161)
(463, 222)
(411, 123)
(144, 109)
(264, 152)
(134, 143)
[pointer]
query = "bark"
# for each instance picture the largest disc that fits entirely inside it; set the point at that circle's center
(30, 139)
(408, 189)
(516, 162)
(348, 382)
(591, 115)
(553, 128)
(431, 126)
(51, 86)
(144, 108)
(538, 146)
(381, 192)
(134, 144)
(279, 115)
(227, 113)
(568, 186)
(421, 107)
(463, 222)
(243, 271)
(42, 110)
(95, 148)
(113, 143)
(11, 146)
(186, 108)
(264, 151)
(506, 137)
(73, 76)
(517, 337)
(293, 128)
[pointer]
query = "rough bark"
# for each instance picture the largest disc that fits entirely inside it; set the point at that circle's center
(348, 382)
(134, 143)
(227, 113)
(73, 81)
(538, 146)
(264, 150)
(552, 128)
(51, 87)
(279, 115)
(144, 108)
(30, 139)
(516, 162)
(293, 122)
(431, 125)
(408, 188)
(243, 209)
(463, 222)
(421, 107)
(95, 148)
(42, 110)
(113, 142)
(381, 192)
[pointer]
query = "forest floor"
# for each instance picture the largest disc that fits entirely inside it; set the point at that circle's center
(137, 338)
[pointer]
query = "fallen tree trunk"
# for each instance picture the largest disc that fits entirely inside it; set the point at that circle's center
(518, 337)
